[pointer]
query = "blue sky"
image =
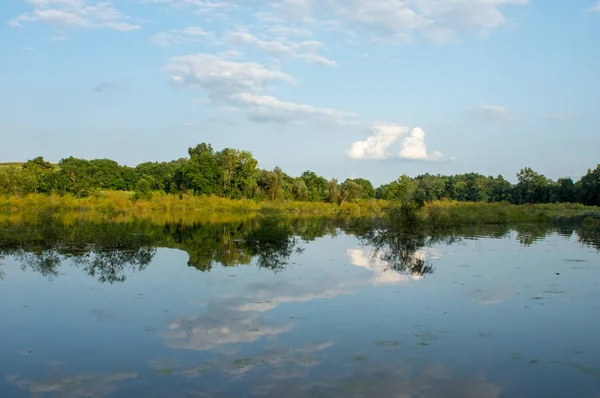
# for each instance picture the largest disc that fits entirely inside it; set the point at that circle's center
(358, 88)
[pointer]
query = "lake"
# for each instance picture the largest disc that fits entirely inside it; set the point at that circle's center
(305, 307)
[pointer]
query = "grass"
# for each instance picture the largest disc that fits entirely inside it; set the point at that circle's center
(12, 164)
(449, 213)
(116, 202)
(444, 213)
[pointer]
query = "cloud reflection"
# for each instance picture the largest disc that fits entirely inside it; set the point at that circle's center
(234, 320)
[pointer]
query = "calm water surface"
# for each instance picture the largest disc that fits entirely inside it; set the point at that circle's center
(273, 308)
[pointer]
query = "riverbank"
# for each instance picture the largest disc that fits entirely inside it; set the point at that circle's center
(445, 213)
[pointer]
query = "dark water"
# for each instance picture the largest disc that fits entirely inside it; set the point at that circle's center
(297, 308)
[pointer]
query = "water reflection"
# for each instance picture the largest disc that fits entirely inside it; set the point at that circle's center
(108, 251)
(81, 385)
(303, 320)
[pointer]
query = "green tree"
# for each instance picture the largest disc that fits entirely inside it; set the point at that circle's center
(368, 192)
(238, 170)
(16, 181)
(42, 173)
(300, 190)
(143, 188)
(350, 191)
(76, 176)
(500, 189)
(564, 191)
(333, 191)
(275, 183)
(200, 174)
(433, 187)
(317, 186)
(531, 187)
(589, 187)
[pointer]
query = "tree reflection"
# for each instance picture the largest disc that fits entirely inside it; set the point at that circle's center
(396, 238)
(108, 251)
(272, 242)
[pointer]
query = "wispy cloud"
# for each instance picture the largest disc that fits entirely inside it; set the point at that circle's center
(595, 8)
(179, 36)
(75, 14)
(104, 86)
(493, 112)
(305, 50)
(232, 83)
(400, 21)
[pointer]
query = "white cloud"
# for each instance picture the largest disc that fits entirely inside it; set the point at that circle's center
(174, 36)
(75, 14)
(376, 146)
(232, 83)
(413, 147)
(400, 20)
(286, 31)
(222, 77)
(305, 50)
(385, 135)
(270, 109)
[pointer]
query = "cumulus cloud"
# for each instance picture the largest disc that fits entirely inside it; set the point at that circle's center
(232, 83)
(75, 14)
(376, 146)
(412, 145)
(175, 36)
(303, 50)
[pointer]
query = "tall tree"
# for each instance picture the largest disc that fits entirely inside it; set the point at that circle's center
(531, 187)
(41, 172)
(350, 191)
(276, 180)
(200, 174)
(589, 187)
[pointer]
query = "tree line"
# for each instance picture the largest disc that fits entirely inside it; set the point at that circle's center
(235, 174)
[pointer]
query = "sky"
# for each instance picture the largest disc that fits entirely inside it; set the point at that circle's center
(345, 88)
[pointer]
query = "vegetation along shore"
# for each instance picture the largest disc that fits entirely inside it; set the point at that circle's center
(231, 181)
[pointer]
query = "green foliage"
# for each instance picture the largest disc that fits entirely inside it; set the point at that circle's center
(300, 190)
(350, 191)
(234, 174)
(200, 174)
(143, 188)
(318, 187)
(589, 188)
(532, 187)
(368, 191)
(16, 181)
(333, 191)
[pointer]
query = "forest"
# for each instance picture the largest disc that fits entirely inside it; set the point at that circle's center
(234, 174)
